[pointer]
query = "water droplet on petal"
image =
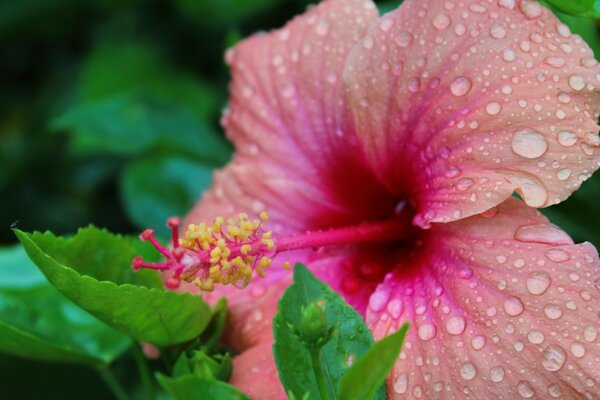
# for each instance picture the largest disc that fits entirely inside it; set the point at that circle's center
(427, 332)
(531, 9)
(513, 306)
(542, 233)
(567, 138)
(386, 24)
(576, 82)
(554, 391)
(590, 333)
(558, 255)
(441, 21)
(553, 311)
(401, 384)
(525, 390)
(461, 86)
(379, 300)
(493, 108)
(468, 371)
(529, 144)
(456, 325)
(498, 31)
(563, 174)
(404, 39)
(553, 358)
(497, 374)
(538, 283)
(578, 350)
(535, 337)
(478, 342)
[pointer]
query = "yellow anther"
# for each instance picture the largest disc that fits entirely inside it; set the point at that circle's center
(267, 235)
(287, 265)
(243, 216)
(245, 249)
(216, 252)
(269, 243)
(264, 216)
(265, 262)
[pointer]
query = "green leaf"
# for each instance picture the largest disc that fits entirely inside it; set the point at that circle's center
(156, 188)
(93, 269)
(135, 67)
(38, 322)
(368, 373)
(224, 13)
(211, 337)
(350, 339)
(138, 123)
(573, 215)
(586, 28)
(580, 8)
(190, 387)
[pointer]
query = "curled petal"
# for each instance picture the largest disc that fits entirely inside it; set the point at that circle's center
(461, 103)
(500, 305)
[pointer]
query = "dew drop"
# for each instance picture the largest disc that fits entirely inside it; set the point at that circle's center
(478, 342)
(468, 371)
(513, 306)
(553, 358)
(427, 332)
(525, 390)
(578, 350)
(386, 24)
(404, 39)
(563, 174)
(531, 9)
(557, 255)
(441, 21)
(368, 42)
(464, 184)
(509, 55)
(538, 283)
(498, 31)
(576, 82)
(456, 325)
(401, 384)
(553, 311)
(542, 233)
(497, 374)
(554, 391)
(461, 86)
(590, 333)
(535, 337)
(379, 300)
(567, 138)
(395, 308)
(493, 108)
(529, 144)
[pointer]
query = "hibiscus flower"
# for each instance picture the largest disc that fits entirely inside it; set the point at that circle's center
(386, 151)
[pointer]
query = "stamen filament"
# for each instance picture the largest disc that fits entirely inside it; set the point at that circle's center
(230, 254)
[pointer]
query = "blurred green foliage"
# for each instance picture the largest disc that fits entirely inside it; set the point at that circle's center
(109, 115)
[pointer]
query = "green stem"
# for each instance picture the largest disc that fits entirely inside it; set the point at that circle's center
(115, 387)
(315, 356)
(144, 370)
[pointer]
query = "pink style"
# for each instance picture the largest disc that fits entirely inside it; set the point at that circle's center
(386, 150)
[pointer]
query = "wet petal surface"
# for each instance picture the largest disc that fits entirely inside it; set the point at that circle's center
(500, 305)
(461, 103)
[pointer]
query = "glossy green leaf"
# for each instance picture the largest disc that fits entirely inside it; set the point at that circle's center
(38, 322)
(93, 269)
(211, 337)
(350, 339)
(156, 188)
(575, 214)
(190, 387)
(369, 372)
(580, 8)
(140, 123)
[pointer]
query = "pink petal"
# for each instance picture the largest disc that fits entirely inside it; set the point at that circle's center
(461, 103)
(501, 306)
(293, 153)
